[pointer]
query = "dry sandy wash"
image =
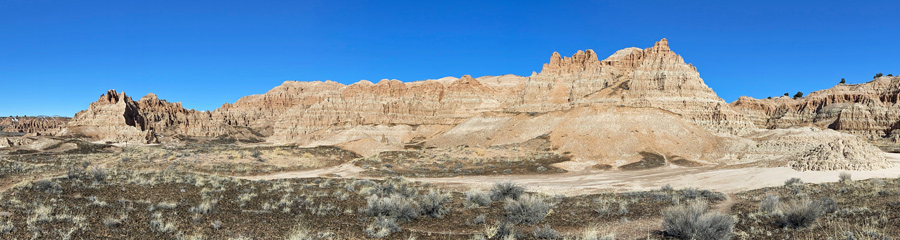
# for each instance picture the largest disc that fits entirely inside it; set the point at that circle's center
(728, 179)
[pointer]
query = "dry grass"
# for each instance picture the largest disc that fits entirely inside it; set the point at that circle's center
(141, 192)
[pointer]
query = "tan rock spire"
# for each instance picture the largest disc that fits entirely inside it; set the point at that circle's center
(662, 45)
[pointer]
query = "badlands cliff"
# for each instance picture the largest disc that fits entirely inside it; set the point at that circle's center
(33, 125)
(869, 110)
(599, 111)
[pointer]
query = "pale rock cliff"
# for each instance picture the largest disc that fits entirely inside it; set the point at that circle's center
(869, 110)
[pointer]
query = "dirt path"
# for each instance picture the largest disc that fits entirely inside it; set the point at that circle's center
(346, 170)
(725, 206)
(727, 180)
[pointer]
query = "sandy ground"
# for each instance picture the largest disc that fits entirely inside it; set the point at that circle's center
(718, 178)
(346, 170)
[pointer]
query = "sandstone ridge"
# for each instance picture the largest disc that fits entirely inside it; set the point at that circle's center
(601, 111)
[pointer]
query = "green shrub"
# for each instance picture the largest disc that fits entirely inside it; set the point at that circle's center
(803, 213)
(502, 230)
(382, 227)
(98, 174)
(694, 221)
(432, 204)
(397, 185)
(693, 193)
(604, 207)
(112, 222)
(158, 225)
(527, 209)
(792, 181)
(300, 234)
(769, 205)
(828, 205)
(395, 206)
(844, 177)
(667, 188)
(204, 207)
(477, 199)
(7, 227)
(506, 190)
(593, 234)
(47, 186)
(545, 233)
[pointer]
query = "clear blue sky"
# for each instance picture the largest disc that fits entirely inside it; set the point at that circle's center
(58, 56)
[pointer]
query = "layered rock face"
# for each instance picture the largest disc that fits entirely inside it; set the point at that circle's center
(259, 112)
(869, 110)
(602, 111)
(389, 102)
(654, 77)
(33, 125)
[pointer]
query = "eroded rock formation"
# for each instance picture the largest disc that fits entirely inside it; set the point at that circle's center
(654, 77)
(37, 126)
(114, 117)
(869, 110)
(602, 111)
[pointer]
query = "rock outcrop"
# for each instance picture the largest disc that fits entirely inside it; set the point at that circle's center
(603, 111)
(849, 154)
(813, 149)
(40, 125)
(114, 118)
(869, 110)
(654, 77)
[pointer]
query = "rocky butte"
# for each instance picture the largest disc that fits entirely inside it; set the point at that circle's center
(611, 111)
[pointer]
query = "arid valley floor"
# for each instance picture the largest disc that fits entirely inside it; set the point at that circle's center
(137, 192)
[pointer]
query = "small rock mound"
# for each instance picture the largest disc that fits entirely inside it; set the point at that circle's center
(841, 155)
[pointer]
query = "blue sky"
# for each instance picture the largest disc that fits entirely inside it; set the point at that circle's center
(58, 56)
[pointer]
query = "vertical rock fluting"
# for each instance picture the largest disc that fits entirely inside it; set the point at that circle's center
(653, 77)
(388, 102)
(259, 112)
(869, 110)
(40, 125)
